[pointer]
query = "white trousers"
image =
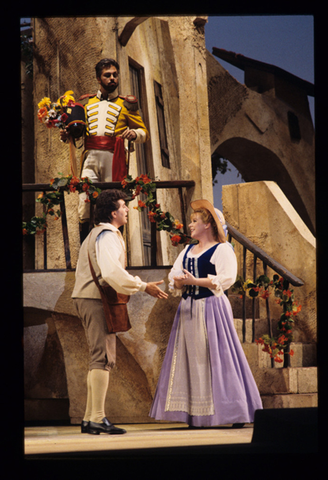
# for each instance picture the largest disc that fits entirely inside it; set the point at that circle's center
(97, 167)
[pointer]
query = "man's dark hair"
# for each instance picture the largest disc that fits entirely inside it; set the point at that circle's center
(106, 63)
(106, 203)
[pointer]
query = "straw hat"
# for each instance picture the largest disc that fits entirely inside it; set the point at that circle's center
(216, 214)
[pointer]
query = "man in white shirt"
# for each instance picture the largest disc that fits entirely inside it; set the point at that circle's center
(102, 264)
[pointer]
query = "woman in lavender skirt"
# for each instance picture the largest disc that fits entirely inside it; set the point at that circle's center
(205, 378)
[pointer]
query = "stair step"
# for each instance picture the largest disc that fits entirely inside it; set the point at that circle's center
(299, 400)
(305, 355)
(292, 380)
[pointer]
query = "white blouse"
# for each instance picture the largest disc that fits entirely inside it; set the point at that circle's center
(110, 251)
(225, 262)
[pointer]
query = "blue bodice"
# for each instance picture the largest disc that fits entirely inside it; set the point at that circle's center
(199, 267)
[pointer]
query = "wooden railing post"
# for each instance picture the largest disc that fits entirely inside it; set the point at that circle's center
(65, 234)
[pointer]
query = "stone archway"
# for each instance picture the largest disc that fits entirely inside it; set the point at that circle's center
(256, 163)
(266, 136)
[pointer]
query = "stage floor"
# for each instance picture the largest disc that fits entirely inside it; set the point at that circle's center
(155, 437)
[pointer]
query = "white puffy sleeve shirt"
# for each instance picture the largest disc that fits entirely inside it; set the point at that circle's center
(225, 262)
(110, 252)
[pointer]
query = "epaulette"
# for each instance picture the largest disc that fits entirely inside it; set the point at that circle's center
(86, 96)
(130, 102)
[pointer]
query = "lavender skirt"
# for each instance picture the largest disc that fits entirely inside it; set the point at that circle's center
(235, 393)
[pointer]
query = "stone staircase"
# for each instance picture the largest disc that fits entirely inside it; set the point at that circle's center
(292, 387)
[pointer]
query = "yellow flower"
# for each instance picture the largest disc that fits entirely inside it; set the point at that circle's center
(245, 286)
(45, 102)
(64, 99)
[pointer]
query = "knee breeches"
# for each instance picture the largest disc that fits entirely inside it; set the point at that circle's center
(101, 343)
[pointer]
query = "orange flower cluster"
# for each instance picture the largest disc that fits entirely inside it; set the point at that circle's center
(151, 216)
(143, 184)
(73, 184)
(274, 349)
(175, 239)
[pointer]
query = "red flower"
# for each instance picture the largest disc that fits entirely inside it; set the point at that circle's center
(151, 216)
(282, 339)
(175, 239)
(42, 113)
(265, 294)
(278, 359)
(288, 293)
(144, 178)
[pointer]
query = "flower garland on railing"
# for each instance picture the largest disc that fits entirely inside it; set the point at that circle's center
(165, 221)
(133, 188)
(69, 184)
(274, 346)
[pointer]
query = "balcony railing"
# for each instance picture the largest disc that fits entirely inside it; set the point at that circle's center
(43, 187)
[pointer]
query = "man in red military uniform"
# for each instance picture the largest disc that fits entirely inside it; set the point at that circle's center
(110, 119)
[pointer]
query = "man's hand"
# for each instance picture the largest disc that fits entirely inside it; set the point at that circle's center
(153, 290)
(64, 135)
(129, 134)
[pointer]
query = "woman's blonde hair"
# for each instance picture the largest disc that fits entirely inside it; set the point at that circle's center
(207, 217)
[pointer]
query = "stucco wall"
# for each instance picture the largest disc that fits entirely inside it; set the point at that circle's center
(171, 51)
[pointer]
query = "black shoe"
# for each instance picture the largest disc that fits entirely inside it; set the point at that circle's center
(104, 427)
(84, 426)
(237, 425)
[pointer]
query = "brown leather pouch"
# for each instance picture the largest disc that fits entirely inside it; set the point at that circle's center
(115, 306)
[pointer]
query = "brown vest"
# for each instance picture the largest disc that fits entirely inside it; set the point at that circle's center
(114, 303)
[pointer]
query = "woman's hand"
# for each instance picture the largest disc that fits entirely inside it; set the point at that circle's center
(189, 279)
(186, 279)
(179, 281)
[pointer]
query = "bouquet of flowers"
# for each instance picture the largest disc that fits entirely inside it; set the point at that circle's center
(55, 114)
